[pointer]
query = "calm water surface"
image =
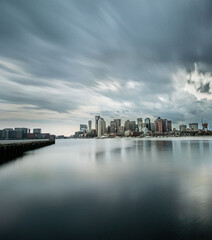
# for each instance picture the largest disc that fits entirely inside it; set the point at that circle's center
(109, 189)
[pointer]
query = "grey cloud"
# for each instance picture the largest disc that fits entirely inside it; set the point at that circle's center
(204, 88)
(82, 43)
(4, 68)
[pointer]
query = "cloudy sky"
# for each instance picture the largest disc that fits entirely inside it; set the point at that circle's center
(64, 61)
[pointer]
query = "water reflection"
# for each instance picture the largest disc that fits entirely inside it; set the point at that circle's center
(109, 189)
(163, 145)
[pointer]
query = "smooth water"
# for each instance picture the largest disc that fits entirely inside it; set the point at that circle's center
(109, 189)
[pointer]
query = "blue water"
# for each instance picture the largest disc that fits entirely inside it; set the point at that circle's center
(109, 189)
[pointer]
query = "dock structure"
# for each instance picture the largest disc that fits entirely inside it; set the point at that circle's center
(10, 149)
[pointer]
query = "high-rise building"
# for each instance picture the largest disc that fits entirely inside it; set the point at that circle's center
(113, 126)
(127, 125)
(159, 125)
(193, 126)
(148, 123)
(152, 127)
(162, 125)
(101, 127)
(156, 124)
(139, 120)
(132, 126)
(89, 125)
(108, 129)
(118, 122)
(168, 125)
(140, 124)
(96, 123)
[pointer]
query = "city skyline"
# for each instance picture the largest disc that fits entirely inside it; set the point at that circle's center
(63, 62)
(139, 124)
(141, 127)
(92, 121)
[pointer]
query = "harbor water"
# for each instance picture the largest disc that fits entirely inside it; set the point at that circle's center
(125, 188)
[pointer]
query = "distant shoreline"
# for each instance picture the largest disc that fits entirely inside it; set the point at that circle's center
(150, 137)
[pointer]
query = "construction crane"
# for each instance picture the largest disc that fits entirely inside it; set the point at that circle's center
(204, 125)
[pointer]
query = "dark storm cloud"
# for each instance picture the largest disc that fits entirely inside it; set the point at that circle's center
(79, 44)
(204, 88)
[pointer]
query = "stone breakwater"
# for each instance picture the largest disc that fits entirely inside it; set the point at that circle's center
(12, 149)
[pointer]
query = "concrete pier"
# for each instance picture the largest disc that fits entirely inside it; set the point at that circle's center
(10, 149)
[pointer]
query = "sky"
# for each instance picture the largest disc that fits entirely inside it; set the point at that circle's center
(64, 61)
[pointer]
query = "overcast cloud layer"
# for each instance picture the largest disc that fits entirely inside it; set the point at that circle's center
(62, 62)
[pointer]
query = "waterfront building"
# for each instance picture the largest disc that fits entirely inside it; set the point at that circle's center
(205, 127)
(8, 133)
(32, 135)
(83, 127)
(77, 134)
(193, 126)
(93, 133)
(24, 132)
(127, 133)
(37, 130)
(82, 131)
(19, 135)
(183, 128)
(145, 130)
(120, 130)
(101, 127)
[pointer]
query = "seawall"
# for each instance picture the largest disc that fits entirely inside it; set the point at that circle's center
(10, 149)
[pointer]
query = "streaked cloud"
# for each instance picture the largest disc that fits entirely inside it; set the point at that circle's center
(62, 62)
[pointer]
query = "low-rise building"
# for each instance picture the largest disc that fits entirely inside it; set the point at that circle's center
(193, 126)
(183, 128)
(37, 130)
